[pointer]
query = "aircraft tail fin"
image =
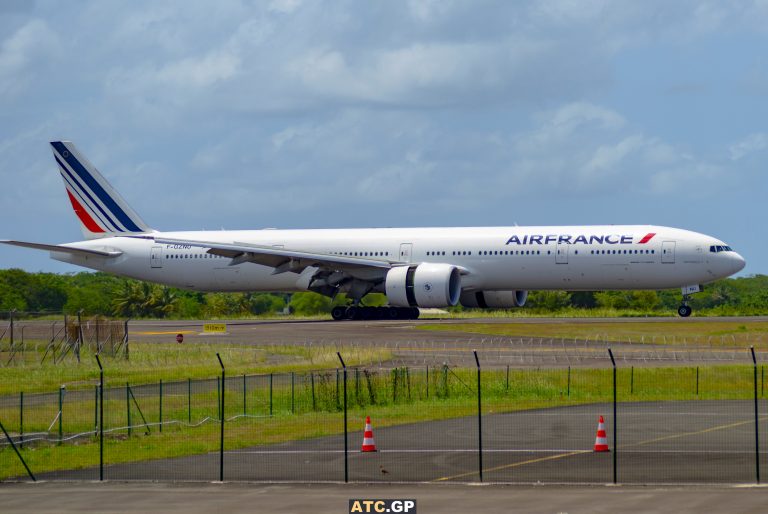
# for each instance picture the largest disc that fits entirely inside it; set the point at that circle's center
(99, 207)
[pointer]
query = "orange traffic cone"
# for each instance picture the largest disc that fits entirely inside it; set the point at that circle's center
(601, 441)
(369, 445)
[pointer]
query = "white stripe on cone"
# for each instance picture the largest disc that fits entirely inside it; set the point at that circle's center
(601, 441)
(369, 445)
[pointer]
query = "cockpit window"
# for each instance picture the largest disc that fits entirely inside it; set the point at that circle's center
(719, 248)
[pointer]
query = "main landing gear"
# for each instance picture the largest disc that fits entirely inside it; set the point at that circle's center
(341, 312)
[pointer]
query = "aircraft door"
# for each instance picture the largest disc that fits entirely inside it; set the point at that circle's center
(405, 252)
(561, 253)
(668, 252)
(156, 257)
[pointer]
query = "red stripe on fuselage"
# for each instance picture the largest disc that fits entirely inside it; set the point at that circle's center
(646, 238)
(84, 216)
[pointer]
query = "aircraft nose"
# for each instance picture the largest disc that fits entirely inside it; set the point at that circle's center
(737, 262)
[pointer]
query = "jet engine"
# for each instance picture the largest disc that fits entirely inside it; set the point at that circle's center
(425, 285)
(493, 299)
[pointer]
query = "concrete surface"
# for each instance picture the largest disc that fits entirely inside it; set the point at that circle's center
(126, 498)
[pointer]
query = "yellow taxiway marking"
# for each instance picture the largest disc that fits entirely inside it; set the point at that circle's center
(580, 452)
(166, 332)
(515, 464)
(697, 432)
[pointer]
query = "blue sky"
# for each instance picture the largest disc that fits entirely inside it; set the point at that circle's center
(304, 114)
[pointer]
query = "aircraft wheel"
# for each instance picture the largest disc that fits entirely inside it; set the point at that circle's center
(353, 313)
(684, 311)
(393, 312)
(339, 313)
(414, 313)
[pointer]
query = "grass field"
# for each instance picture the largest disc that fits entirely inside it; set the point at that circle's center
(150, 362)
(724, 333)
(289, 406)
(298, 412)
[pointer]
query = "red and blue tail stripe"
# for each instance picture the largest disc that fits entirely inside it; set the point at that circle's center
(100, 209)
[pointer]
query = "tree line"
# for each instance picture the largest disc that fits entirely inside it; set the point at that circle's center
(107, 295)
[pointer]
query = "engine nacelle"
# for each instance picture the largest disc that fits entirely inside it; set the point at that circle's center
(425, 285)
(493, 299)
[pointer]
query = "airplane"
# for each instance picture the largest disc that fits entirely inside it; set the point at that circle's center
(477, 267)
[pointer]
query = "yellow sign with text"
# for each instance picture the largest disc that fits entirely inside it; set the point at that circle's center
(214, 328)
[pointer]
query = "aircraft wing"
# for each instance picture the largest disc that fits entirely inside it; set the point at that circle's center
(284, 260)
(62, 248)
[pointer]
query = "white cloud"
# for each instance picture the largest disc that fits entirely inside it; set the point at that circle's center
(31, 41)
(607, 159)
(200, 71)
(753, 143)
(284, 6)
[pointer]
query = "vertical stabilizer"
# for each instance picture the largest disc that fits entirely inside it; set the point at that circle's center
(99, 207)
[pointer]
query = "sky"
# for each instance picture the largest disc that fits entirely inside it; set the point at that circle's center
(313, 114)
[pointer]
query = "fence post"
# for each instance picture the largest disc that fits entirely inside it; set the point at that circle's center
(445, 379)
(270, 394)
(357, 386)
(244, 394)
(479, 419)
(346, 442)
(125, 338)
(615, 444)
(312, 381)
(21, 419)
(408, 381)
(79, 341)
(101, 419)
(338, 399)
(757, 425)
(189, 401)
(218, 397)
(394, 384)
(161, 405)
(128, 406)
(506, 386)
(569, 380)
(427, 381)
(697, 381)
(95, 407)
(632, 380)
(292, 393)
(221, 437)
(29, 472)
(61, 413)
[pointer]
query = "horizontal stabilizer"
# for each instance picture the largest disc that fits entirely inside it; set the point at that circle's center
(63, 249)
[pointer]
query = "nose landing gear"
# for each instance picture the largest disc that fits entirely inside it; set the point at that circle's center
(685, 310)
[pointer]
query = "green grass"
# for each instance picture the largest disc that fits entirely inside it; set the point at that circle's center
(722, 333)
(150, 362)
(398, 397)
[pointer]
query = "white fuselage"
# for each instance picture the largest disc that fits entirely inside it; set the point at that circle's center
(496, 258)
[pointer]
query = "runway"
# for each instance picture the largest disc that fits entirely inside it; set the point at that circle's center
(657, 443)
(128, 498)
(411, 346)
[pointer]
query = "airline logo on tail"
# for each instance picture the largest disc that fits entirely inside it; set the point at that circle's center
(98, 206)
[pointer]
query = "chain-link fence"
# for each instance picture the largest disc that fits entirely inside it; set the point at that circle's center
(489, 423)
